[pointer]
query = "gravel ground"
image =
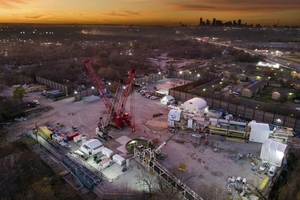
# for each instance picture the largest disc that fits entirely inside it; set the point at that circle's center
(202, 162)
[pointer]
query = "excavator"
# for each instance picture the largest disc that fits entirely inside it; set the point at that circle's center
(158, 153)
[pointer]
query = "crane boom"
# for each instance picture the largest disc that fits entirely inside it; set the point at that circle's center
(98, 85)
(126, 92)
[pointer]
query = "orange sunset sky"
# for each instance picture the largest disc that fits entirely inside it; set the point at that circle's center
(150, 12)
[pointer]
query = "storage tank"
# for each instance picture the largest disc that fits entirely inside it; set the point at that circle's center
(272, 171)
(83, 139)
(127, 163)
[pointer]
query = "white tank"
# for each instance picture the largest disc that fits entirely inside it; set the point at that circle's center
(83, 139)
(272, 171)
(127, 163)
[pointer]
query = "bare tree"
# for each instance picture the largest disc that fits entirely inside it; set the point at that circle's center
(148, 178)
(166, 190)
(211, 192)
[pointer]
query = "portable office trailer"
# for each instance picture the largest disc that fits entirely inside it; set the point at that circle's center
(118, 159)
(107, 152)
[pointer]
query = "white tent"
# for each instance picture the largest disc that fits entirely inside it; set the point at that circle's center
(195, 105)
(259, 132)
(272, 152)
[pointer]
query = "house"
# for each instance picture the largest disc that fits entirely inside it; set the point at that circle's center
(255, 88)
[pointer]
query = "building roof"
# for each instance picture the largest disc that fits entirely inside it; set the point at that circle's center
(93, 143)
(257, 85)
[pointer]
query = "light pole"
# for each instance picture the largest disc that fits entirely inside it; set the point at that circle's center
(93, 90)
(109, 86)
(75, 94)
(180, 73)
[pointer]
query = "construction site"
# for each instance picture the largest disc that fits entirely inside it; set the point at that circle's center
(106, 145)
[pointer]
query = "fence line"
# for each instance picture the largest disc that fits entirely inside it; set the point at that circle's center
(243, 111)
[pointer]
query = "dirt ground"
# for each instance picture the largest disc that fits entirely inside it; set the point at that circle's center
(210, 164)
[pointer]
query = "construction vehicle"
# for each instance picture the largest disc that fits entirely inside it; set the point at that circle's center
(116, 107)
(159, 155)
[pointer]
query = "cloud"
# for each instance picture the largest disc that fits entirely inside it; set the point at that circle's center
(36, 16)
(233, 6)
(123, 13)
(13, 3)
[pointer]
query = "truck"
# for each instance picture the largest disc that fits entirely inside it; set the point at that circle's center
(105, 163)
(81, 154)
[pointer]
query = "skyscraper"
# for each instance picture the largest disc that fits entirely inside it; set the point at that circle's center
(200, 24)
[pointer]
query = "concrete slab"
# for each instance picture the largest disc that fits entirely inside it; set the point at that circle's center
(112, 172)
(122, 149)
(123, 139)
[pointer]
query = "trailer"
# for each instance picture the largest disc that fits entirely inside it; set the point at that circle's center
(118, 159)
(105, 163)
(46, 132)
(107, 152)
(77, 138)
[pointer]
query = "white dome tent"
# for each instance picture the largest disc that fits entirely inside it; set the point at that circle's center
(195, 105)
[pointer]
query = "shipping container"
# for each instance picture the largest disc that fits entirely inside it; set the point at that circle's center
(72, 135)
(118, 159)
(107, 152)
(46, 131)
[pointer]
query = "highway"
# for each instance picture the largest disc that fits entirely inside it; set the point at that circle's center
(275, 60)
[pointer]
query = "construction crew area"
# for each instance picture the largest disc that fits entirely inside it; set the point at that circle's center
(187, 145)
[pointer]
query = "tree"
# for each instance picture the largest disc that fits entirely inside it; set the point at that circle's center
(282, 99)
(210, 192)
(19, 93)
(148, 178)
(233, 77)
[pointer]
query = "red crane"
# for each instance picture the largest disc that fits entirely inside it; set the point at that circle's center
(116, 108)
(98, 84)
(121, 116)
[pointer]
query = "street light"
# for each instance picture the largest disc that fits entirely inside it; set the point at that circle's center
(93, 90)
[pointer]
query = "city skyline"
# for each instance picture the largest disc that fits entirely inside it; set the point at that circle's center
(150, 12)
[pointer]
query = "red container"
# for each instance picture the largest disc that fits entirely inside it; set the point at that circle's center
(119, 121)
(72, 135)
